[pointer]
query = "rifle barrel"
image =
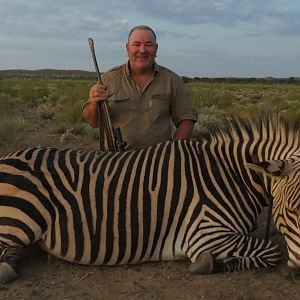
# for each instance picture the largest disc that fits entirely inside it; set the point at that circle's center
(92, 47)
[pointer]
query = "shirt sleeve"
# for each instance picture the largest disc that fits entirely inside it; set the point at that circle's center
(182, 107)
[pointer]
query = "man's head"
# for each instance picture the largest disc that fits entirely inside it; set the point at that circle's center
(141, 49)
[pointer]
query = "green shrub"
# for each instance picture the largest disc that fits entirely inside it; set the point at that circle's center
(5, 105)
(8, 88)
(208, 96)
(56, 106)
(11, 133)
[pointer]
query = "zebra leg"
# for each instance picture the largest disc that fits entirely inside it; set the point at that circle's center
(247, 253)
(254, 253)
(9, 258)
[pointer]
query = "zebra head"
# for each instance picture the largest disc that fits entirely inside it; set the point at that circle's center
(285, 189)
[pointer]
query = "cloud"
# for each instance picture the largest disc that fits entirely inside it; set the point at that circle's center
(273, 16)
(192, 33)
(39, 22)
(226, 12)
(61, 19)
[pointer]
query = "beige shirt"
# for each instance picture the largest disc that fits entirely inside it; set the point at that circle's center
(145, 117)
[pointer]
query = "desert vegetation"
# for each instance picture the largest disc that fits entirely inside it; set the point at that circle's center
(35, 111)
(41, 112)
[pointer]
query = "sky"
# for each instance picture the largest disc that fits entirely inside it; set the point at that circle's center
(196, 38)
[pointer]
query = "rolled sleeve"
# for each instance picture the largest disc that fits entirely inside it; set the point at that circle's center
(182, 105)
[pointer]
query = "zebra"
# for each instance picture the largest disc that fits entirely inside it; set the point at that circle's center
(188, 199)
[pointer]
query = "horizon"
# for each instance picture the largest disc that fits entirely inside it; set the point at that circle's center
(190, 77)
(229, 38)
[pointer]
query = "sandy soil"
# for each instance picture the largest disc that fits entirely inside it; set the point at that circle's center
(45, 277)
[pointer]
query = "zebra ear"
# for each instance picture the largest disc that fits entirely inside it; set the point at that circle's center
(276, 168)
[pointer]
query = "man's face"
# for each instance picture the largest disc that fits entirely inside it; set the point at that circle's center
(141, 50)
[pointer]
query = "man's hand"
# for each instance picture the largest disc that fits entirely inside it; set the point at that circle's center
(98, 92)
(184, 130)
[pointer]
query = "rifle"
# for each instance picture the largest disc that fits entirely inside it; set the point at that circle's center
(113, 135)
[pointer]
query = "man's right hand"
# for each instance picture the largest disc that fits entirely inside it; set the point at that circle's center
(98, 92)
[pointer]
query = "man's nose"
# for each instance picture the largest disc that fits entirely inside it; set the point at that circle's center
(142, 48)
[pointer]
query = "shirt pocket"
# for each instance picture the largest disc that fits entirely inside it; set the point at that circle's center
(117, 95)
(160, 103)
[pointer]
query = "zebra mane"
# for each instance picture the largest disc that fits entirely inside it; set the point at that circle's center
(267, 126)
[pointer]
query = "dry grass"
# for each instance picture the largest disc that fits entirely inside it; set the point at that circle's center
(31, 110)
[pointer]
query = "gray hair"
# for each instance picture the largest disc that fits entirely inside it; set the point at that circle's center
(141, 27)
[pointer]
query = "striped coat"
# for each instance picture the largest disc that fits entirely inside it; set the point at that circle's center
(176, 200)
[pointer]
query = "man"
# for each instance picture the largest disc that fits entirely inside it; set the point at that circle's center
(144, 98)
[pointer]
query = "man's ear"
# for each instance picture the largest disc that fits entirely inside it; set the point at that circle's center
(272, 168)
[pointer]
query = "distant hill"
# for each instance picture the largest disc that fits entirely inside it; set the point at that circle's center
(268, 80)
(47, 74)
(87, 75)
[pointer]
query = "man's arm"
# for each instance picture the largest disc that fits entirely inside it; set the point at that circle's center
(91, 114)
(184, 130)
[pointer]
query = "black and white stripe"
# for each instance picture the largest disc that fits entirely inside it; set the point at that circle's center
(172, 201)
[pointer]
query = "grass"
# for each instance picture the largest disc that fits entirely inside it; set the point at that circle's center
(26, 104)
(11, 133)
(56, 105)
(215, 101)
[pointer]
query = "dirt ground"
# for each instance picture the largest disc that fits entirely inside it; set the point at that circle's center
(45, 277)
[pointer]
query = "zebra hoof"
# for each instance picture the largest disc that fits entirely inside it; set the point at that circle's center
(7, 273)
(204, 264)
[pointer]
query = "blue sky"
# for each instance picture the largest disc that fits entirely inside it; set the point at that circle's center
(204, 38)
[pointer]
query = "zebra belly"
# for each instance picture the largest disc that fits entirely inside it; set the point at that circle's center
(102, 254)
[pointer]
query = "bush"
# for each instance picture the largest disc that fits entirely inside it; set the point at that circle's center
(5, 105)
(56, 106)
(11, 137)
